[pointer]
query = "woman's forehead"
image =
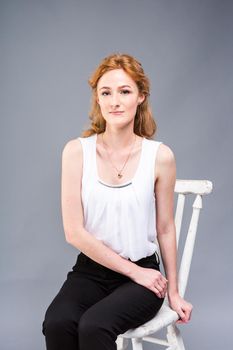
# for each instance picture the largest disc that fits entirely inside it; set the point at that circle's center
(115, 78)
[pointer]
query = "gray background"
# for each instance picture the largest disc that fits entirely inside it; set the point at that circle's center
(48, 50)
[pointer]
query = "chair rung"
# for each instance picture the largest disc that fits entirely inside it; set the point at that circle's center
(156, 341)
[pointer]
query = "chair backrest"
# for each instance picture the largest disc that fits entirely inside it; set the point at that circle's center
(184, 188)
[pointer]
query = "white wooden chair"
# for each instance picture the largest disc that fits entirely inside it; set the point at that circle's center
(166, 317)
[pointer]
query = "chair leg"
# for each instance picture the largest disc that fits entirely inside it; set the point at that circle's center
(180, 343)
(174, 338)
(122, 343)
(137, 344)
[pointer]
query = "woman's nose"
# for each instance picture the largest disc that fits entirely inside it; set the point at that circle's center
(115, 100)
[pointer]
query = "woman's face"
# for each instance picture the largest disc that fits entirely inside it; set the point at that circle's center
(118, 97)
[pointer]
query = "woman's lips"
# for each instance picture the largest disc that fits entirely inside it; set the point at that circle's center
(116, 113)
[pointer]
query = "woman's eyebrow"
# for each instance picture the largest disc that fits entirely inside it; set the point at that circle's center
(120, 87)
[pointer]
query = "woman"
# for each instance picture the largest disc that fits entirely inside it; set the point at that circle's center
(115, 179)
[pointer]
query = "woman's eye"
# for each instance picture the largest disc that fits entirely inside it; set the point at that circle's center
(125, 92)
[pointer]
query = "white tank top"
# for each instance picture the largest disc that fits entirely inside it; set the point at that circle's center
(121, 216)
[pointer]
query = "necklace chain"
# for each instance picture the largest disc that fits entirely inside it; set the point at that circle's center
(119, 172)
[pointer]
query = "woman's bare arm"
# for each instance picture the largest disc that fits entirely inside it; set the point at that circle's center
(72, 214)
(80, 238)
(164, 190)
(165, 226)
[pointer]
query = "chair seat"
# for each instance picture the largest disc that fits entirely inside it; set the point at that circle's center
(163, 318)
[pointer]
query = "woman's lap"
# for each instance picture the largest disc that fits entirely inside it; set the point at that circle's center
(94, 296)
(127, 306)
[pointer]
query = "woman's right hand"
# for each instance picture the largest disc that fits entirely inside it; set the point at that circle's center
(151, 279)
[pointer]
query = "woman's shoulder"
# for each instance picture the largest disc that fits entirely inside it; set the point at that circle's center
(72, 147)
(163, 150)
(165, 156)
(164, 153)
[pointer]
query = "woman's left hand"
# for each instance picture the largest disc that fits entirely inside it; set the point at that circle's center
(181, 306)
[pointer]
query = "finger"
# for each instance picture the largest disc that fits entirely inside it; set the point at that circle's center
(186, 317)
(164, 286)
(159, 287)
(187, 310)
(163, 292)
(163, 279)
(180, 320)
(156, 291)
(162, 282)
(182, 315)
(188, 314)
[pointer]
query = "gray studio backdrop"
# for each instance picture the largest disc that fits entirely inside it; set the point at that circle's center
(48, 50)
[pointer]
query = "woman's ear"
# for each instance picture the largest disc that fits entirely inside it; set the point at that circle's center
(141, 99)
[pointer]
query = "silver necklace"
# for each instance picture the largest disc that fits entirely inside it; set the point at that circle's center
(119, 172)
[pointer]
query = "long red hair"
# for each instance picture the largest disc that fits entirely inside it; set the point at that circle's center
(144, 123)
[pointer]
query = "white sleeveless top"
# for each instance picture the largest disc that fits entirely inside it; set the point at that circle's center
(121, 216)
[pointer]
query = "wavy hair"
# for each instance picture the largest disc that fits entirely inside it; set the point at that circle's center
(144, 123)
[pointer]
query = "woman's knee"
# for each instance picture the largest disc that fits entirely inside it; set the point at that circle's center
(54, 326)
(57, 322)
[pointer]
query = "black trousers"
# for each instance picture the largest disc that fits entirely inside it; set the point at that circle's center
(96, 304)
